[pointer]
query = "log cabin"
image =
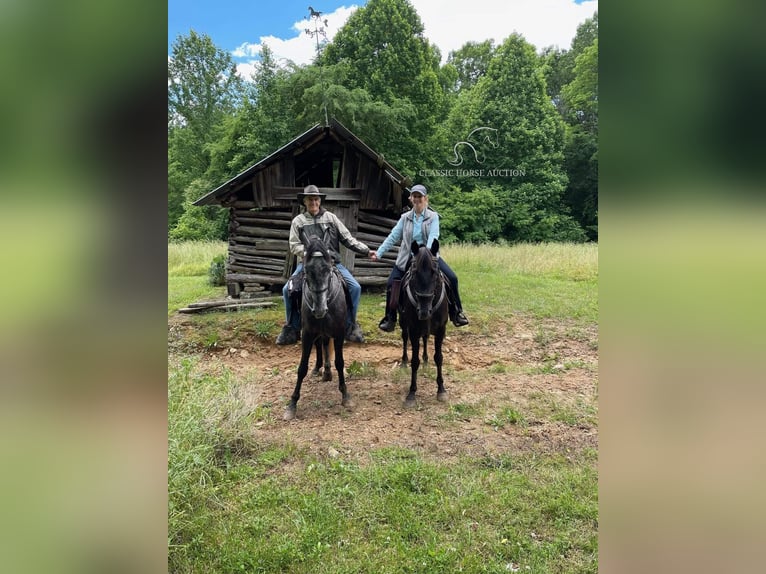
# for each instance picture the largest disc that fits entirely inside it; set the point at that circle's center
(363, 190)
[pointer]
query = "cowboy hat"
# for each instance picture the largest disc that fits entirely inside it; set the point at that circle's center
(310, 191)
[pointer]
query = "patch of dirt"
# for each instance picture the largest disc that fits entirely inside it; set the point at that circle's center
(523, 369)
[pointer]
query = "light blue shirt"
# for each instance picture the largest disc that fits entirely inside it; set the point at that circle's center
(417, 232)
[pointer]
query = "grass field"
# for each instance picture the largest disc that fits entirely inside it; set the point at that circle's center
(250, 493)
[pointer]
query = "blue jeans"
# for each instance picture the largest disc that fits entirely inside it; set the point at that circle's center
(294, 319)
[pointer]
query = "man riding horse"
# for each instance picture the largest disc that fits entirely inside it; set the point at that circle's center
(324, 225)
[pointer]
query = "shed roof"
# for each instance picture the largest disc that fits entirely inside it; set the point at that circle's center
(309, 138)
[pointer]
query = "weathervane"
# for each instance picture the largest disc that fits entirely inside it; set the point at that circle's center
(315, 33)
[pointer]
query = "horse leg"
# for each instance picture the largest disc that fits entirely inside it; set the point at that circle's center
(327, 376)
(319, 361)
(425, 348)
(339, 365)
(405, 358)
(415, 342)
(441, 392)
(303, 368)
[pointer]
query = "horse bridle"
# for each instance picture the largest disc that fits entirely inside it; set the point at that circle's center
(311, 298)
(411, 297)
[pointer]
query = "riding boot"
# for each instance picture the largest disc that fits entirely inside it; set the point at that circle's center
(388, 323)
(452, 309)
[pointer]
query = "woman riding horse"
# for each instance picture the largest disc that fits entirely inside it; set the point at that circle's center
(420, 224)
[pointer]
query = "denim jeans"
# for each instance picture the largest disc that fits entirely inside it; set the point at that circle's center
(294, 319)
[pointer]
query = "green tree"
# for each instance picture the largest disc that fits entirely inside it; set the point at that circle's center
(511, 100)
(203, 90)
(263, 123)
(203, 84)
(471, 61)
(383, 51)
(581, 102)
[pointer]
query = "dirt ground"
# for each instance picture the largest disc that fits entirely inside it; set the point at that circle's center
(538, 369)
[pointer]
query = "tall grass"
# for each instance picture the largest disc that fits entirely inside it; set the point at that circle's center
(548, 280)
(191, 258)
(570, 261)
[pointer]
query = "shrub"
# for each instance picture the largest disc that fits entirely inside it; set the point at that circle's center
(217, 272)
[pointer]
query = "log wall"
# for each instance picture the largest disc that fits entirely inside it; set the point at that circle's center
(258, 250)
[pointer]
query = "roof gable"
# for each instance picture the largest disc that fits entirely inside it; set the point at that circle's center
(332, 134)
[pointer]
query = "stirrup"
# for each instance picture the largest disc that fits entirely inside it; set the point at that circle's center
(387, 324)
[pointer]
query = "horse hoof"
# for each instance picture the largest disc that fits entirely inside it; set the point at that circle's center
(315, 372)
(327, 376)
(289, 414)
(347, 402)
(442, 397)
(409, 402)
(404, 365)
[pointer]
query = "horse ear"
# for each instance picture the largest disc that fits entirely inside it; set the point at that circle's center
(435, 247)
(414, 247)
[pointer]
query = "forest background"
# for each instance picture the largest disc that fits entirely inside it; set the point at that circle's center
(535, 178)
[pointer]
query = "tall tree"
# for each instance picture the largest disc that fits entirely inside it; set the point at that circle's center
(581, 102)
(203, 90)
(385, 53)
(523, 158)
(263, 123)
(471, 61)
(203, 84)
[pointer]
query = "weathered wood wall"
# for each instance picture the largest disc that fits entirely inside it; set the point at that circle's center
(259, 255)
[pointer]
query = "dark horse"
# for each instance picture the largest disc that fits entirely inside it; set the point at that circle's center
(424, 310)
(323, 317)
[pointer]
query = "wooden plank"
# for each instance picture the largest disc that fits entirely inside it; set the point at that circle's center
(369, 227)
(369, 237)
(372, 281)
(263, 222)
(369, 272)
(235, 268)
(377, 220)
(247, 267)
(331, 198)
(266, 279)
(249, 260)
(263, 232)
(257, 252)
(276, 247)
(264, 214)
(330, 191)
(231, 306)
(367, 264)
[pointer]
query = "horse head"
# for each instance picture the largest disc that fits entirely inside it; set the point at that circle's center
(317, 269)
(425, 278)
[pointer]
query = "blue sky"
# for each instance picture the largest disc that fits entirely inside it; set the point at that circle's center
(241, 26)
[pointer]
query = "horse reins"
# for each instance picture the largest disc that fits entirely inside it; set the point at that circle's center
(310, 299)
(411, 297)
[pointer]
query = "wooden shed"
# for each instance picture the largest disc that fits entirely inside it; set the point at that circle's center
(362, 189)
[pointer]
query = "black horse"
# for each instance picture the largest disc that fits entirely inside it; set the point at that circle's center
(323, 317)
(424, 310)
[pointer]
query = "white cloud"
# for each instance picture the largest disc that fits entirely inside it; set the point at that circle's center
(448, 24)
(451, 23)
(301, 48)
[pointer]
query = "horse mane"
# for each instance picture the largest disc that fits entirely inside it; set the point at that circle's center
(313, 245)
